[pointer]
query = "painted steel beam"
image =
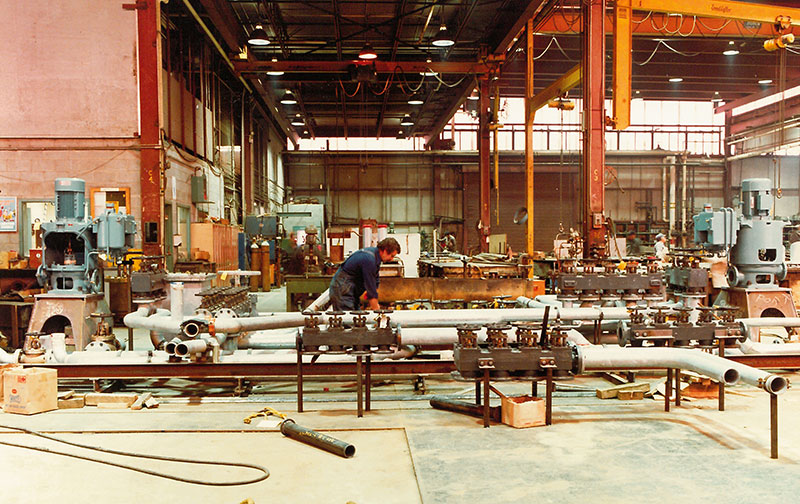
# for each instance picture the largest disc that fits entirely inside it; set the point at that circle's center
(530, 114)
(381, 67)
(533, 8)
(149, 54)
(563, 84)
(714, 8)
(592, 179)
(484, 165)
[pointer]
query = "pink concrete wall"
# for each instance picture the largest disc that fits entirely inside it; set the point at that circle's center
(69, 69)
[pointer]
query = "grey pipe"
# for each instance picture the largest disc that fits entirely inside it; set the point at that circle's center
(772, 383)
(601, 358)
(9, 358)
(751, 347)
(321, 302)
(172, 345)
(190, 347)
(161, 322)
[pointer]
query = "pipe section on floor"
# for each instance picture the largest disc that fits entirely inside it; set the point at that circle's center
(751, 347)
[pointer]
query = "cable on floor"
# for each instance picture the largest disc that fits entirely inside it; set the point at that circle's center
(263, 470)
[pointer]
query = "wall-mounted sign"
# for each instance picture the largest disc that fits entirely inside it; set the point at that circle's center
(8, 214)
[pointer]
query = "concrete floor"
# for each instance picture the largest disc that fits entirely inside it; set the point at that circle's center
(597, 451)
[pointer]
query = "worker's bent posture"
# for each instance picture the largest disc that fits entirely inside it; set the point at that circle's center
(359, 274)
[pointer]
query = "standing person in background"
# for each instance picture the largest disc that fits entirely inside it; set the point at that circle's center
(660, 248)
(359, 275)
(634, 245)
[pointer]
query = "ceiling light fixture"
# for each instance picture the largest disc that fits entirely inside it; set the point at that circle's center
(730, 51)
(288, 98)
(764, 82)
(258, 37)
(275, 72)
(717, 98)
(474, 95)
(367, 52)
(442, 38)
(415, 99)
(676, 79)
(406, 121)
(298, 120)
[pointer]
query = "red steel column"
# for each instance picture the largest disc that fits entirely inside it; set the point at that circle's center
(148, 23)
(529, 117)
(594, 77)
(484, 165)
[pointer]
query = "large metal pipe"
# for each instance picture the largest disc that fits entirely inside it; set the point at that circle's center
(176, 300)
(9, 358)
(161, 321)
(321, 302)
(601, 358)
(305, 435)
(772, 383)
(465, 408)
(190, 347)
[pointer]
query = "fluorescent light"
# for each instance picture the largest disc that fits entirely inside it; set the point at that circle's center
(676, 79)
(406, 121)
(442, 39)
(415, 99)
(730, 52)
(765, 81)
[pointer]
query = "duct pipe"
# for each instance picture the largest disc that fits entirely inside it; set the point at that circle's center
(58, 341)
(321, 302)
(771, 383)
(305, 435)
(172, 345)
(751, 347)
(600, 358)
(161, 321)
(190, 347)
(670, 160)
(176, 300)
(751, 323)
(684, 201)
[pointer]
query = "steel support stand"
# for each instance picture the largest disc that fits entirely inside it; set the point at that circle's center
(677, 387)
(548, 406)
(368, 369)
(485, 398)
(360, 387)
(668, 389)
(721, 389)
(773, 426)
(299, 375)
(534, 388)
(478, 392)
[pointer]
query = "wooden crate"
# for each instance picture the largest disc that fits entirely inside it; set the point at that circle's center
(523, 411)
(31, 390)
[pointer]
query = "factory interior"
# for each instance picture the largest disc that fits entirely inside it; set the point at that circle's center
(400, 251)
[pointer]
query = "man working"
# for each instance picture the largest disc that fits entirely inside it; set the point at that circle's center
(634, 245)
(660, 249)
(359, 274)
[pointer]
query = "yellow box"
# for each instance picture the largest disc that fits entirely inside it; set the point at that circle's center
(523, 411)
(31, 390)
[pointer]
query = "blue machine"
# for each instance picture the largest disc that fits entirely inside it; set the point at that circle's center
(73, 246)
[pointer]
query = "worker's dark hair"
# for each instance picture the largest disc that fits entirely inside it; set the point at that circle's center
(389, 245)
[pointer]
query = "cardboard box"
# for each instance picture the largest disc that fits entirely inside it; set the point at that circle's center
(3, 369)
(31, 390)
(523, 411)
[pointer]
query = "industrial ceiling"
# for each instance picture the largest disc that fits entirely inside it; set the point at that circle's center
(315, 46)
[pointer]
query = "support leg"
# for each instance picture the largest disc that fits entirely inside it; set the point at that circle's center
(548, 406)
(721, 390)
(668, 390)
(486, 398)
(368, 369)
(359, 387)
(773, 426)
(534, 388)
(677, 387)
(299, 376)
(478, 392)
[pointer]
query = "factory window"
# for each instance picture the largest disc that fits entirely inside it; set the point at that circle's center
(100, 196)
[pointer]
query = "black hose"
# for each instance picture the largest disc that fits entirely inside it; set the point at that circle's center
(264, 470)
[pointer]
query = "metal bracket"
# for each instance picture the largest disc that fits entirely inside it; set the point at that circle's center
(485, 363)
(547, 362)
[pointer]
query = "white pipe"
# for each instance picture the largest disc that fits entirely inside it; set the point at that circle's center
(664, 199)
(684, 201)
(172, 345)
(161, 322)
(189, 347)
(751, 347)
(9, 358)
(59, 343)
(321, 302)
(601, 358)
(773, 384)
(750, 323)
(176, 300)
